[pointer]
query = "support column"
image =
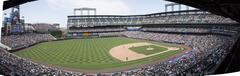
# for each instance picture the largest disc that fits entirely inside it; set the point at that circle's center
(88, 12)
(179, 8)
(81, 12)
(173, 9)
(95, 12)
(187, 9)
(166, 8)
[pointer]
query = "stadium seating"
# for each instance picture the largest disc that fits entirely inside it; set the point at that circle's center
(137, 20)
(207, 50)
(25, 40)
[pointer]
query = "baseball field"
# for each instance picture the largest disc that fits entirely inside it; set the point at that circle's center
(100, 54)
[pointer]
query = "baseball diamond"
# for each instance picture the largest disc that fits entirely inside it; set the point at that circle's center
(98, 54)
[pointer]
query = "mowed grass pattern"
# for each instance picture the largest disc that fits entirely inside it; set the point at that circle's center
(143, 49)
(87, 54)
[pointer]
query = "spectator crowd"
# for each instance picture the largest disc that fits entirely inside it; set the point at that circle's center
(157, 19)
(182, 30)
(25, 40)
(207, 51)
(194, 18)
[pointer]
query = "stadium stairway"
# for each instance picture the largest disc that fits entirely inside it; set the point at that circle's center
(54, 38)
(5, 46)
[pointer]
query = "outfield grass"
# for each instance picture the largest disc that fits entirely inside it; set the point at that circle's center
(86, 54)
(143, 49)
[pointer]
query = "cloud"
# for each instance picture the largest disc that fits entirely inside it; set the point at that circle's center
(104, 7)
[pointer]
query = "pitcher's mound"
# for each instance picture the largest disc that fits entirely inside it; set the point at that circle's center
(150, 49)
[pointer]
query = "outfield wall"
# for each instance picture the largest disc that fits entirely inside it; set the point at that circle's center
(80, 34)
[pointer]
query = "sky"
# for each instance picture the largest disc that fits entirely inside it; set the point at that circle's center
(56, 11)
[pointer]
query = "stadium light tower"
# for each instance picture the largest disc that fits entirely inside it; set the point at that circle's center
(85, 9)
(172, 7)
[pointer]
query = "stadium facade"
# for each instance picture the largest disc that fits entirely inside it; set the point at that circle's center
(87, 25)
